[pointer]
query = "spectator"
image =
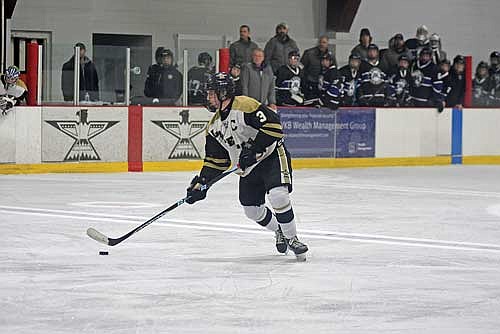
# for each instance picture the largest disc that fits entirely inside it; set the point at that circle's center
(373, 90)
(415, 45)
(455, 96)
(365, 39)
(438, 54)
(482, 87)
(257, 80)
(197, 79)
(278, 47)
(235, 75)
(289, 82)
(330, 83)
(400, 82)
(350, 77)
(312, 67)
(241, 50)
(425, 88)
(89, 82)
(390, 59)
(164, 81)
(495, 75)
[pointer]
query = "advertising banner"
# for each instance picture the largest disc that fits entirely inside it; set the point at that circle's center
(84, 134)
(174, 133)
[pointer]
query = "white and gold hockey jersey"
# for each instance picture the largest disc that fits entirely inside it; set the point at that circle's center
(245, 119)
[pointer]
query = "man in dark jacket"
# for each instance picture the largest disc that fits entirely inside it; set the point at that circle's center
(312, 67)
(390, 59)
(365, 39)
(455, 96)
(164, 81)
(278, 47)
(89, 82)
(241, 50)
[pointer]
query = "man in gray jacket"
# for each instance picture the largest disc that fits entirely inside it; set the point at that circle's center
(257, 80)
(312, 67)
(279, 46)
(241, 50)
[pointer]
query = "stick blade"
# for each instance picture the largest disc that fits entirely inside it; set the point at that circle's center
(97, 236)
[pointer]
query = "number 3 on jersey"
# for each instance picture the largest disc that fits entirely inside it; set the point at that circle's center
(261, 116)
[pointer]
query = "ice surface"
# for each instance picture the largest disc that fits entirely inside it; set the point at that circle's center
(392, 250)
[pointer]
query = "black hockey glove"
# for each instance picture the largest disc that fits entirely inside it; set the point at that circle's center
(194, 192)
(248, 156)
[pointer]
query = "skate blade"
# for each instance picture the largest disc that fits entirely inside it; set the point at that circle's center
(301, 257)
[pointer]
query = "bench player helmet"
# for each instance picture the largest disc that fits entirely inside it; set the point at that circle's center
(12, 74)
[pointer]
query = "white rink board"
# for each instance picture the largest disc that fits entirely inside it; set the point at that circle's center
(8, 137)
(28, 135)
(412, 133)
(103, 137)
(174, 133)
(481, 132)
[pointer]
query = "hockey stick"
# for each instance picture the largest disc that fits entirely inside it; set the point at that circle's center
(98, 236)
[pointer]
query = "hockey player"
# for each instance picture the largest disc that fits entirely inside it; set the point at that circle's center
(482, 87)
(495, 75)
(421, 40)
(235, 75)
(425, 88)
(400, 82)
(350, 77)
(289, 82)
(330, 83)
(197, 78)
(13, 90)
(373, 89)
(445, 77)
(246, 133)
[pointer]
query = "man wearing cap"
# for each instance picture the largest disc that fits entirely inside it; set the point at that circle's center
(365, 39)
(164, 81)
(278, 47)
(312, 67)
(89, 81)
(390, 60)
(241, 50)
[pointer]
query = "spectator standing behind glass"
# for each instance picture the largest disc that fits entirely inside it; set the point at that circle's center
(164, 81)
(241, 50)
(455, 96)
(278, 47)
(421, 40)
(437, 50)
(311, 60)
(365, 39)
(235, 75)
(257, 80)
(89, 81)
(350, 77)
(289, 82)
(482, 87)
(495, 75)
(390, 60)
(197, 79)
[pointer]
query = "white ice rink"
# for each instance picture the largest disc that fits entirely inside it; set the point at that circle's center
(392, 250)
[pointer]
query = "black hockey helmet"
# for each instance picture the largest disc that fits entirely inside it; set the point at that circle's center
(205, 59)
(372, 47)
(444, 61)
(404, 57)
(293, 53)
(495, 54)
(459, 59)
(425, 51)
(328, 56)
(163, 52)
(222, 84)
(355, 56)
(482, 64)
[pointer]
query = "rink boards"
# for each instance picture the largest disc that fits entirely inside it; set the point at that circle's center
(135, 138)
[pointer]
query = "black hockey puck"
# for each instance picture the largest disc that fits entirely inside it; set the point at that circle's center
(103, 253)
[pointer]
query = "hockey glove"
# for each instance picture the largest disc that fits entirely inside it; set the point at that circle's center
(248, 156)
(194, 192)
